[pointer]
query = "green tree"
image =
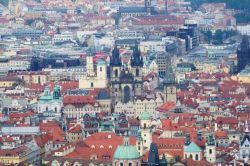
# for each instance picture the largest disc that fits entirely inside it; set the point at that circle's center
(208, 35)
(218, 37)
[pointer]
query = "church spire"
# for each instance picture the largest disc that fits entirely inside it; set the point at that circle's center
(136, 58)
(169, 76)
(115, 58)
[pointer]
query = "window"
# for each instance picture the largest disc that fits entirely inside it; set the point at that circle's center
(210, 151)
(121, 164)
(116, 73)
(137, 72)
(100, 68)
(196, 157)
(129, 164)
(91, 84)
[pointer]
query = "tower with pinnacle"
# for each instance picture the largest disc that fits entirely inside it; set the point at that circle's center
(170, 90)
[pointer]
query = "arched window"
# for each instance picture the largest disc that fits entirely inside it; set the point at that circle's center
(129, 164)
(196, 157)
(116, 73)
(137, 72)
(91, 84)
(121, 164)
(126, 92)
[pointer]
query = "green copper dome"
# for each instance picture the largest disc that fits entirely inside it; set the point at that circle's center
(126, 152)
(192, 148)
(145, 116)
(46, 95)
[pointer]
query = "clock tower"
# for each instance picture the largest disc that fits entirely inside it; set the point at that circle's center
(170, 90)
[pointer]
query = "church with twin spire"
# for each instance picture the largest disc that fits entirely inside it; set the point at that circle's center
(126, 80)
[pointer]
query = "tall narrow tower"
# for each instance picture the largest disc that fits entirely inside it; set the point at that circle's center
(211, 149)
(115, 73)
(146, 132)
(137, 67)
(243, 54)
(89, 63)
(139, 143)
(170, 90)
(148, 6)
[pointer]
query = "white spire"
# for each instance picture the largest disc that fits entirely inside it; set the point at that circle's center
(247, 129)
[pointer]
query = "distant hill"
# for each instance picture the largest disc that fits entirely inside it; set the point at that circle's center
(234, 4)
(242, 6)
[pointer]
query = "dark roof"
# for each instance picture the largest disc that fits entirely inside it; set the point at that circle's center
(127, 42)
(246, 137)
(153, 157)
(134, 9)
(190, 65)
(103, 94)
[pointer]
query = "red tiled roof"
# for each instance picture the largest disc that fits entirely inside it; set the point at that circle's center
(75, 129)
(79, 100)
(221, 134)
(226, 120)
(168, 106)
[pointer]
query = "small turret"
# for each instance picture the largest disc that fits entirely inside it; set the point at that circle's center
(187, 140)
(210, 140)
(210, 151)
(56, 92)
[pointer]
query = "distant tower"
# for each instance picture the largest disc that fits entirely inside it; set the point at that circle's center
(148, 6)
(146, 132)
(211, 149)
(166, 6)
(139, 143)
(90, 63)
(115, 72)
(137, 67)
(170, 90)
(243, 54)
(101, 69)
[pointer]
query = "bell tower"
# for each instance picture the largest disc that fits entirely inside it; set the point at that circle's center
(211, 149)
(148, 6)
(170, 90)
(146, 132)
(137, 67)
(139, 143)
(115, 72)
